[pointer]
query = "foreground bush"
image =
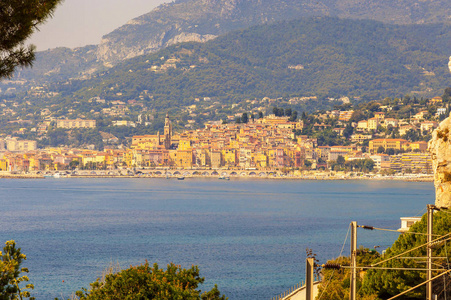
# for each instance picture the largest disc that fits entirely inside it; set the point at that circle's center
(145, 282)
(11, 281)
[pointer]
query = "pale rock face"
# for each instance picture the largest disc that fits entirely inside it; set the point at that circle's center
(190, 37)
(440, 148)
(110, 51)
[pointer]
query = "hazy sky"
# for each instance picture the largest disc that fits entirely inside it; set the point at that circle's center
(77, 23)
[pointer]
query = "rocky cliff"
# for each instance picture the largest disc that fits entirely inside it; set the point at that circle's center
(202, 20)
(440, 149)
(189, 20)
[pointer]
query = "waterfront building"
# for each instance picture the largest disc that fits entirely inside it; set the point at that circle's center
(216, 158)
(380, 160)
(230, 157)
(3, 164)
(62, 161)
(415, 162)
(93, 157)
(201, 157)
(245, 157)
(181, 158)
(261, 160)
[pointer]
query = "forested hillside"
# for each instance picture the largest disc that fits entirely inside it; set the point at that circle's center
(309, 57)
(202, 20)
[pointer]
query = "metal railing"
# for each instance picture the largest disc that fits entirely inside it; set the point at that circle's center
(291, 290)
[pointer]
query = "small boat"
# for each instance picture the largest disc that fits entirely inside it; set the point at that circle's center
(224, 177)
(180, 178)
(56, 175)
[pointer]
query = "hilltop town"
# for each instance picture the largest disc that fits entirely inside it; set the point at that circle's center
(385, 137)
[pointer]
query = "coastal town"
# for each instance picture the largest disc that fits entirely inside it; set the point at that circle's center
(316, 125)
(346, 140)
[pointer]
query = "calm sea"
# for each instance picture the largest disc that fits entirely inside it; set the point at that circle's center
(247, 236)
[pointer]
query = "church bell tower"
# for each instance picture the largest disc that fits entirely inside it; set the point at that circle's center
(167, 132)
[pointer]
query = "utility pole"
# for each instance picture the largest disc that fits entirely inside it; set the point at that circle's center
(430, 224)
(310, 264)
(352, 294)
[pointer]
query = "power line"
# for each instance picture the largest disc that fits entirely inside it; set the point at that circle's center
(430, 244)
(336, 267)
(421, 257)
(410, 250)
(341, 252)
(423, 283)
(392, 230)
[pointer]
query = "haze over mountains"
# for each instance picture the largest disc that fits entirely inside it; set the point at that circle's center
(412, 60)
(201, 20)
(320, 56)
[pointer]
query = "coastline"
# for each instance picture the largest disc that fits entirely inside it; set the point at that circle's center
(180, 173)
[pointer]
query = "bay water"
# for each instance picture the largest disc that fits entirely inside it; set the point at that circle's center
(248, 236)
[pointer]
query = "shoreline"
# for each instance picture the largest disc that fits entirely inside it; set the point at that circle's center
(318, 176)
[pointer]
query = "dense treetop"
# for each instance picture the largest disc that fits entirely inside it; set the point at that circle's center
(146, 282)
(18, 20)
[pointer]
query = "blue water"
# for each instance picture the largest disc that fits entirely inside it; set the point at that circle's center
(247, 236)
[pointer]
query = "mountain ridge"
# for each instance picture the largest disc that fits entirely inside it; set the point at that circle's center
(207, 19)
(203, 20)
(308, 57)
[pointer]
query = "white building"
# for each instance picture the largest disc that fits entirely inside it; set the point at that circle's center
(407, 222)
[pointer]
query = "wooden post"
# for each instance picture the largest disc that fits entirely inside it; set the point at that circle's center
(309, 277)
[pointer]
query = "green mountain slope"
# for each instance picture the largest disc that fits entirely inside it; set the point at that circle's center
(313, 56)
(203, 20)
(200, 20)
